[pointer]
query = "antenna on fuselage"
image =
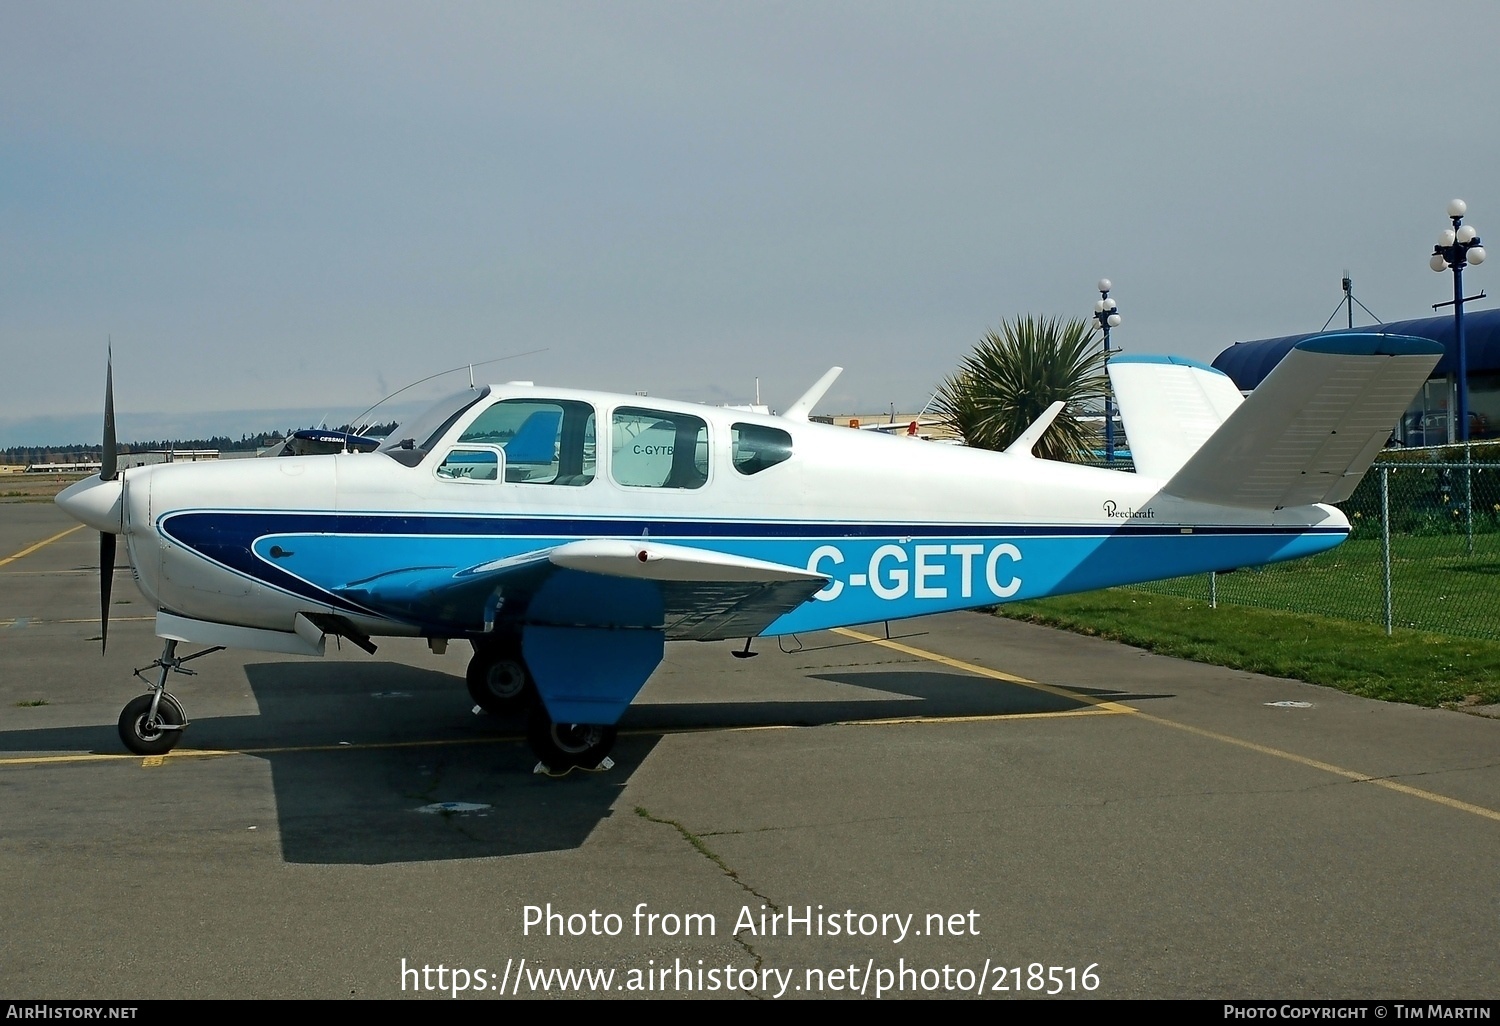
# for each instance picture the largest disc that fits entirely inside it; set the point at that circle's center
(802, 407)
(358, 423)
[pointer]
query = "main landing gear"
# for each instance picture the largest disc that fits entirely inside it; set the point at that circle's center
(501, 684)
(152, 724)
(560, 747)
(499, 681)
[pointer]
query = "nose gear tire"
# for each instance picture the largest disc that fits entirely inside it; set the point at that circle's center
(145, 736)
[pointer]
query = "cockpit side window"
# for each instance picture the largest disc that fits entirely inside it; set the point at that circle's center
(757, 448)
(545, 441)
(653, 449)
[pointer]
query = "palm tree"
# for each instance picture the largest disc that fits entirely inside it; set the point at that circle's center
(1014, 374)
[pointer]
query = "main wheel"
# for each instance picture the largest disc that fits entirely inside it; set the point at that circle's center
(499, 682)
(145, 736)
(564, 746)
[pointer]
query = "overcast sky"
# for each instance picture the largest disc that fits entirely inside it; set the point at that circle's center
(303, 206)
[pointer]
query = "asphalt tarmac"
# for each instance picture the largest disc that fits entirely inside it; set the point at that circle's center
(976, 808)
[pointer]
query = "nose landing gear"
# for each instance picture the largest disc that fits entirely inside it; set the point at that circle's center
(152, 724)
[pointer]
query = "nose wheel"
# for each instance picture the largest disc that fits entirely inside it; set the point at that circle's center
(152, 724)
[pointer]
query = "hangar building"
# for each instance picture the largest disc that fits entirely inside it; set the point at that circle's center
(1428, 420)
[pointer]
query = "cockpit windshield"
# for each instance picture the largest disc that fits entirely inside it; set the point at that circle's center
(413, 439)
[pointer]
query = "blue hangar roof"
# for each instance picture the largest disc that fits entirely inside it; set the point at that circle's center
(1248, 363)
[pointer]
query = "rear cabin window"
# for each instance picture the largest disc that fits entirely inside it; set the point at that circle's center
(652, 449)
(757, 447)
(545, 441)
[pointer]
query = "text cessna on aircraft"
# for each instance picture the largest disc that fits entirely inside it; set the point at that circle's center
(568, 535)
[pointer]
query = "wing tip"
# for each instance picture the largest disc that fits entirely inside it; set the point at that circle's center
(1370, 344)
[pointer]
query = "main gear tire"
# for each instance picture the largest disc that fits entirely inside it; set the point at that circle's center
(499, 682)
(565, 746)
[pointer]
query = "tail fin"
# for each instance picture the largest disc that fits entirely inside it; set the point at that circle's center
(1310, 431)
(1170, 406)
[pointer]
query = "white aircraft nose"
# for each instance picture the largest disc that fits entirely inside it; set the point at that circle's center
(95, 503)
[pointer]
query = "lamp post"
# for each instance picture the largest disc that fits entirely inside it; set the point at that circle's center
(1458, 247)
(1107, 313)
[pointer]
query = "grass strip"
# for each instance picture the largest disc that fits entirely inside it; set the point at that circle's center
(1410, 666)
(1436, 584)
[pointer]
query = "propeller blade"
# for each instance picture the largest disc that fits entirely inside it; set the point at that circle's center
(108, 471)
(106, 583)
(108, 463)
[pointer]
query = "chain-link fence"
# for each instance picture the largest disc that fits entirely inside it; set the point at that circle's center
(1424, 553)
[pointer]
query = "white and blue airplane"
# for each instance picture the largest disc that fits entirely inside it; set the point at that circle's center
(567, 535)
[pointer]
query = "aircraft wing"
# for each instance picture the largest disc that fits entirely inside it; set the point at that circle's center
(689, 593)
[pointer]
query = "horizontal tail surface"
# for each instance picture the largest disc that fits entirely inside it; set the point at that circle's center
(1312, 428)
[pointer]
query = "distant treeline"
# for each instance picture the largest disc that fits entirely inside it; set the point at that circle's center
(29, 454)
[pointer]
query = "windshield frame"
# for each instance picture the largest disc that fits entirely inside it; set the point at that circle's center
(412, 440)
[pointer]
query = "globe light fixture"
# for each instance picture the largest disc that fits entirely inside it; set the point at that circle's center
(1107, 313)
(1457, 247)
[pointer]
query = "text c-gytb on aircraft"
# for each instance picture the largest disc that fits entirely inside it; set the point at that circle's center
(567, 535)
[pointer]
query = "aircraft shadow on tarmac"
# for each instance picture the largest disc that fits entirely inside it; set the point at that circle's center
(378, 762)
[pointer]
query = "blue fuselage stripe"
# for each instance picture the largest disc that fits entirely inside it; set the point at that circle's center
(877, 570)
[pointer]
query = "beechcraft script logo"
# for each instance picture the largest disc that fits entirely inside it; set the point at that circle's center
(1112, 509)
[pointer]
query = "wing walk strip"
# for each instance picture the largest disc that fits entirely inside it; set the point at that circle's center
(1301, 760)
(1093, 707)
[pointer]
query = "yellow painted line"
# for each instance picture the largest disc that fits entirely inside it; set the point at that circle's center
(152, 761)
(370, 747)
(215, 753)
(83, 620)
(884, 721)
(1098, 710)
(39, 760)
(984, 671)
(1301, 760)
(44, 542)
(1095, 708)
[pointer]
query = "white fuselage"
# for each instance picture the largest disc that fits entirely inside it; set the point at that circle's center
(899, 526)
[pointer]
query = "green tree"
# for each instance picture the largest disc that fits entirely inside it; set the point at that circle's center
(1014, 374)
